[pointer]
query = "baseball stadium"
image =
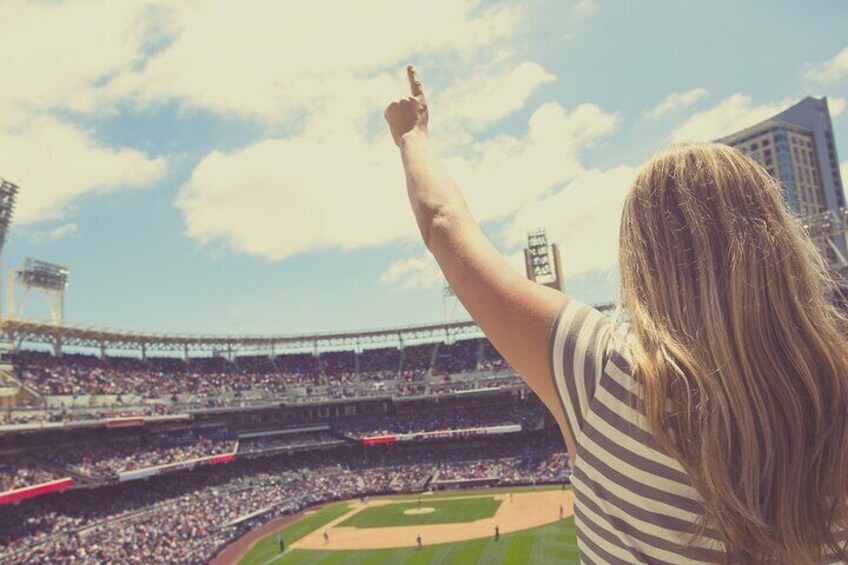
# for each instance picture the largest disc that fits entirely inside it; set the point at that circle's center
(403, 445)
(284, 283)
(434, 452)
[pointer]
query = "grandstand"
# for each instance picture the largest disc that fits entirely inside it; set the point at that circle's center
(109, 456)
(417, 361)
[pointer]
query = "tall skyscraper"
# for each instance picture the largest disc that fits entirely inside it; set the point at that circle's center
(797, 148)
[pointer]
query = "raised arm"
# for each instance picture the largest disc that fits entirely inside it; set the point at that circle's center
(514, 313)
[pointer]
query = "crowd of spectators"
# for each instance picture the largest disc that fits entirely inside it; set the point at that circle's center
(30, 415)
(86, 387)
(107, 459)
(15, 475)
(458, 357)
(288, 441)
(450, 385)
(416, 361)
(77, 374)
(554, 468)
(379, 364)
(186, 517)
(490, 359)
(528, 414)
(124, 406)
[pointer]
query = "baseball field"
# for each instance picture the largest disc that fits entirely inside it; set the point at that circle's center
(534, 525)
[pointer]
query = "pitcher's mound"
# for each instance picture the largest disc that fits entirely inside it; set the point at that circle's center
(419, 510)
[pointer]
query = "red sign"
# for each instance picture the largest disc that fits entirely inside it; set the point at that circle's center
(225, 458)
(14, 496)
(124, 422)
(378, 440)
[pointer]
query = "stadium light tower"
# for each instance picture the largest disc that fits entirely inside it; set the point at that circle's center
(8, 194)
(537, 260)
(48, 277)
(449, 302)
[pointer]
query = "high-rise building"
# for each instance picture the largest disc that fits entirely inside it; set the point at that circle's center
(797, 148)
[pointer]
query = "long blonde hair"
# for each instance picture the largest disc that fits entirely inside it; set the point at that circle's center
(741, 357)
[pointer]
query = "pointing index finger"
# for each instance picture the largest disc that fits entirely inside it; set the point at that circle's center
(414, 82)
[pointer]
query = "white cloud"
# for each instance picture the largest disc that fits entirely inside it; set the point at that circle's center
(583, 217)
(281, 197)
(503, 174)
(249, 59)
(489, 96)
(336, 182)
(53, 234)
(675, 102)
(54, 163)
(289, 60)
(836, 105)
(585, 7)
(732, 114)
(55, 62)
(55, 56)
(831, 71)
(420, 271)
(62, 231)
(843, 170)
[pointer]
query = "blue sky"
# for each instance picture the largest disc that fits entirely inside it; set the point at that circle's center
(224, 167)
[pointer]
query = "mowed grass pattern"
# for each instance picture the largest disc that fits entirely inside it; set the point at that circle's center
(445, 512)
(267, 547)
(553, 544)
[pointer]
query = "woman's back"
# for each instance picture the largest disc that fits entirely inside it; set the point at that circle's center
(717, 429)
(633, 502)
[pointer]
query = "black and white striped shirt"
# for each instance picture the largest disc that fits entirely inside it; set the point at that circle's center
(633, 503)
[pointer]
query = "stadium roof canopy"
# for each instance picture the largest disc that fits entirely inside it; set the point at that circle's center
(19, 332)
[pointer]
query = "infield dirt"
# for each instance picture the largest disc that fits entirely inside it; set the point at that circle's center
(526, 510)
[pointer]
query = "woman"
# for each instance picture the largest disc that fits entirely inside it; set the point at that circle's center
(715, 429)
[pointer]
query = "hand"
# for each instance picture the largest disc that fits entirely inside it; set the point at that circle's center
(408, 115)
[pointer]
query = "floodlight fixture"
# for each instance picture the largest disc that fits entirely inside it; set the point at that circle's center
(41, 274)
(50, 278)
(538, 262)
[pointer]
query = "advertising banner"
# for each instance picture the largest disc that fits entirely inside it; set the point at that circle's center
(124, 422)
(14, 496)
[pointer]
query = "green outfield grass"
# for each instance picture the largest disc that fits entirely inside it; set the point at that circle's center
(451, 511)
(267, 547)
(553, 544)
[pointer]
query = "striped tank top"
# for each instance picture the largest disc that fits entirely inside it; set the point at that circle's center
(632, 502)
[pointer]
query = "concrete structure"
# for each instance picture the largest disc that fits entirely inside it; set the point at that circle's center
(538, 259)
